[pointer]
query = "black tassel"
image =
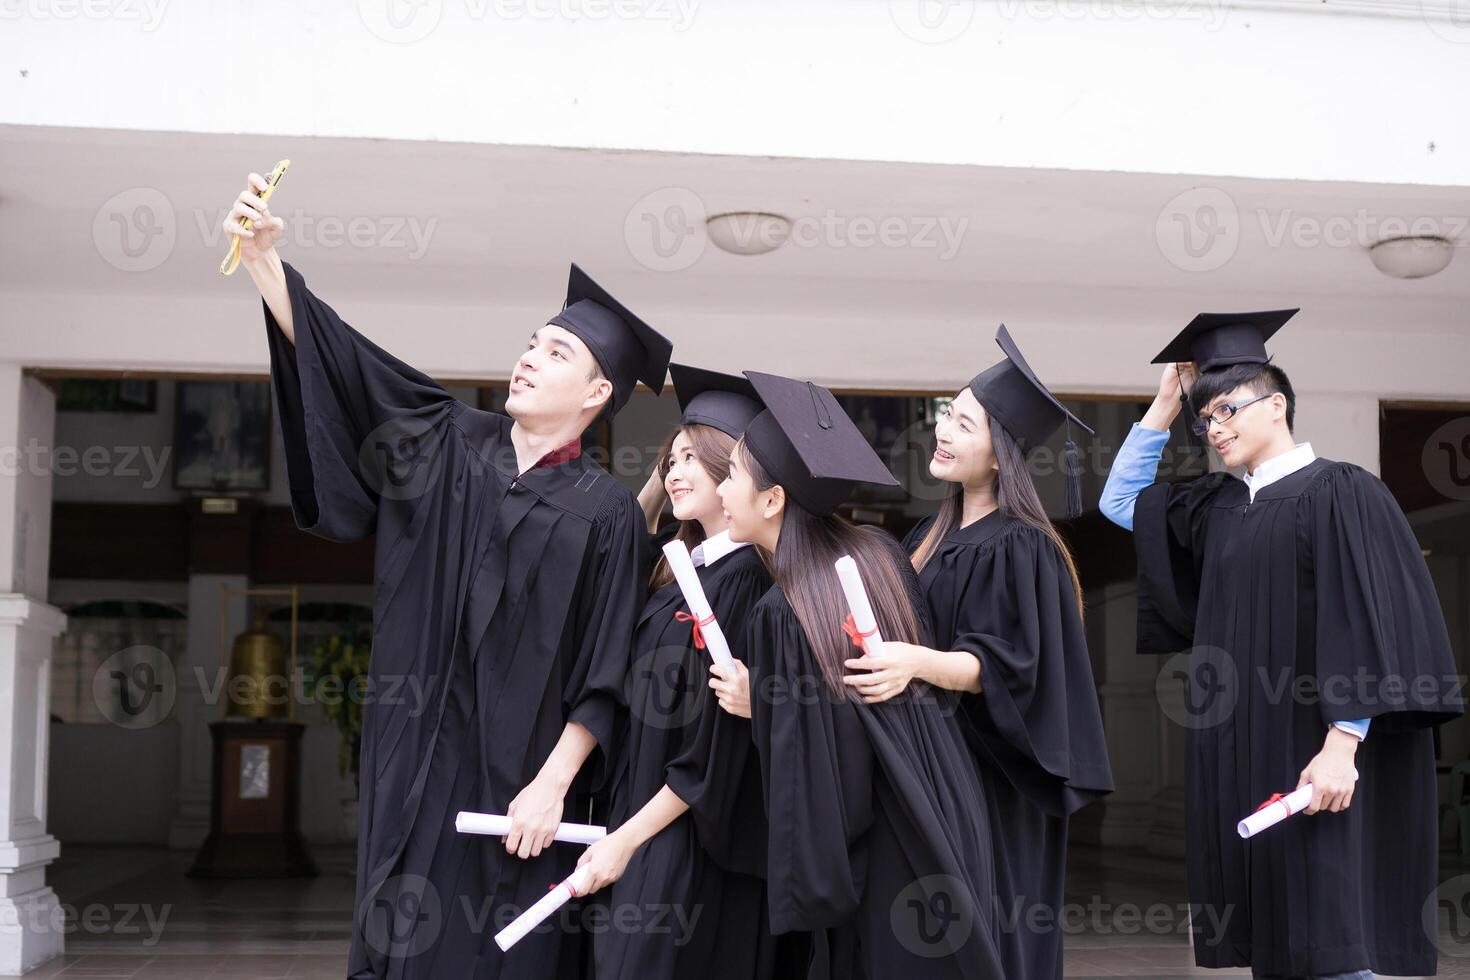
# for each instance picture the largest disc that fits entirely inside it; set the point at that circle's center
(1072, 466)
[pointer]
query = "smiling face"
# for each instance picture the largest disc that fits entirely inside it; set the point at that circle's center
(557, 376)
(963, 452)
(754, 515)
(690, 486)
(1248, 437)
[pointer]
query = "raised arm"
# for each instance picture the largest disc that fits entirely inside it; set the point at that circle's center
(258, 251)
(1137, 462)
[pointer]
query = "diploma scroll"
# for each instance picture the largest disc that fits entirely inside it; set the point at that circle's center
(497, 825)
(574, 887)
(857, 601)
(1277, 809)
(683, 568)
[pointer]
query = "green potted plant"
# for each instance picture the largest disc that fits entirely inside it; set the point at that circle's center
(339, 684)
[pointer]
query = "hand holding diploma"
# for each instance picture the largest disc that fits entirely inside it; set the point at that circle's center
(573, 887)
(496, 825)
(707, 633)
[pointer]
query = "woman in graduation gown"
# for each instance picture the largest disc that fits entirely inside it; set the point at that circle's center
(878, 835)
(1006, 607)
(686, 894)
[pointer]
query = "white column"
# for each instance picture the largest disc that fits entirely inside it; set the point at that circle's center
(30, 915)
(201, 677)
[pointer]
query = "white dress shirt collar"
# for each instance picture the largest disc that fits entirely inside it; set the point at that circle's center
(713, 549)
(1278, 467)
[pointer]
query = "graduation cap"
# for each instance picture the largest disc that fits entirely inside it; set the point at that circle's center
(724, 401)
(1015, 397)
(1214, 340)
(809, 446)
(627, 349)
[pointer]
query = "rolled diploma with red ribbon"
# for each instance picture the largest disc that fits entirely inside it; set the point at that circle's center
(683, 568)
(1272, 812)
(857, 602)
(498, 825)
(574, 887)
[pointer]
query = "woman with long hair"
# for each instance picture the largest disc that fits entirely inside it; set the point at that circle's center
(681, 900)
(1002, 592)
(878, 842)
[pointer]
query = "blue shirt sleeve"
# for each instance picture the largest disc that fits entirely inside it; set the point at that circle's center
(1358, 728)
(1134, 468)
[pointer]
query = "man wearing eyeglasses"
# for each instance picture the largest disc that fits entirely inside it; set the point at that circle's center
(1307, 610)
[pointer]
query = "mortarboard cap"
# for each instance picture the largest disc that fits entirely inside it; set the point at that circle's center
(808, 445)
(726, 401)
(1213, 340)
(1015, 397)
(627, 349)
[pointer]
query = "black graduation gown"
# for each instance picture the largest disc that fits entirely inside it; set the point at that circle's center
(1319, 579)
(676, 912)
(1000, 589)
(502, 609)
(879, 841)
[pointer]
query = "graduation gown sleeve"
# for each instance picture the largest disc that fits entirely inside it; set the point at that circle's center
(1378, 615)
(817, 775)
(717, 773)
(356, 422)
(1015, 609)
(1168, 534)
(617, 564)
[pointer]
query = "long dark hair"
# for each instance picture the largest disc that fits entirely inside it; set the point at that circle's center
(712, 448)
(1015, 497)
(803, 565)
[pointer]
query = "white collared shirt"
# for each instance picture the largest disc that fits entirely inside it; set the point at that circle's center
(711, 550)
(1279, 467)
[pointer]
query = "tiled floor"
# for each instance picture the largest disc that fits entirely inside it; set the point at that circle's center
(134, 914)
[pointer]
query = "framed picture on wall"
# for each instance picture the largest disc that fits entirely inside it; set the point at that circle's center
(222, 435)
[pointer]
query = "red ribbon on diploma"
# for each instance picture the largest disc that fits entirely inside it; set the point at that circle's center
(699, 624)
(859, 639)
(1275, 798)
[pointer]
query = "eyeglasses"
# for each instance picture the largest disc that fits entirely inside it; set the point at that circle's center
(1222, 415)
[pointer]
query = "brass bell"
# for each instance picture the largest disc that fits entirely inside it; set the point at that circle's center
(260, 658)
